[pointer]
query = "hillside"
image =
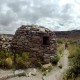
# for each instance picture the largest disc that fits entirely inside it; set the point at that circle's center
(60, 34)
(74, 34)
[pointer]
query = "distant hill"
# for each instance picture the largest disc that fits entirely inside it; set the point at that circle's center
(8, 35)
(74, 34)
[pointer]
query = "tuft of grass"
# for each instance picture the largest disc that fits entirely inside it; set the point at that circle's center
(74, 71)
(55, 59)
(45, 71)
(60, 48)
(21, 74)
(72, 49)
(60, 66)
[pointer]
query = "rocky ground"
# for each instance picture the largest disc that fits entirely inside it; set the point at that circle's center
(55, 74)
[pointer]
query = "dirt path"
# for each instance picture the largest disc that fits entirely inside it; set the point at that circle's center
(56, 74)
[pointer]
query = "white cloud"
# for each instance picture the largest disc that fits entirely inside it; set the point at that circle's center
(54, 14)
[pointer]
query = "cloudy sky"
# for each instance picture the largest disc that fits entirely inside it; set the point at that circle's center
(53, 14)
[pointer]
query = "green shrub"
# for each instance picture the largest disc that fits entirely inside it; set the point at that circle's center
(22, 61)
(2, 54)
(55, 59)
(43, 69)
(38, 64)
(6, 59)
(2, 63)
(47, 69)
(74, 70)
(76, 63)
(21, 74)
(8, 62)
(5, 53)
(50, 68)
(59, 41)
(25, 56)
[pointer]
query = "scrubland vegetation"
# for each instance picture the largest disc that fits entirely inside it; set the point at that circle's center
(22, 61)
(7, 60)
(73, 72)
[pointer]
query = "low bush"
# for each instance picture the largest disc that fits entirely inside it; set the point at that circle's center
(2, 54)
(50, 68)
(46, 70)
(2, 63)
(74, 70)
(60, 66)
(22, 61)
(55, 59)
(38, 63)
(21, 74)
(59, 41)
(8, 62)
(25, 56)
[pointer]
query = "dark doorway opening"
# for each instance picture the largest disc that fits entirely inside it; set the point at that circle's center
(45, 40)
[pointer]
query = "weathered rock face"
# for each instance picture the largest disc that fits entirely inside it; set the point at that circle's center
(39, 41)
(5, 41)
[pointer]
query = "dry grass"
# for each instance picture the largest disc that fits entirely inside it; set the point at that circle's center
(60, 48)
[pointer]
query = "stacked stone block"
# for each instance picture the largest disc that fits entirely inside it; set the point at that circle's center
(29, 38)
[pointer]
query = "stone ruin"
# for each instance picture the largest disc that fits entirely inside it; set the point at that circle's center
(39, 41)
(5, 41)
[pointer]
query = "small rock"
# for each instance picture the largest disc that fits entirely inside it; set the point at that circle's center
(19, 72)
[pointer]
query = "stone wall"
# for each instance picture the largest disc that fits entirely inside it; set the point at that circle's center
(5, 41)
(30, 38)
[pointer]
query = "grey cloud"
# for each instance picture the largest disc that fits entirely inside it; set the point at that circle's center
(32, 10)
(35, 10)
(38, 11)
(6, 19)
(16, 5)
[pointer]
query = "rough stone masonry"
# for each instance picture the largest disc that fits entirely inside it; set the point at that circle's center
(5, 41)
(39, 41)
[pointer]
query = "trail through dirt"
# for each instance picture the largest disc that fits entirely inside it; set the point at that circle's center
(58, 73)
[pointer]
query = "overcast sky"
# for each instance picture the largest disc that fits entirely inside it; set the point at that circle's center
(54, 14)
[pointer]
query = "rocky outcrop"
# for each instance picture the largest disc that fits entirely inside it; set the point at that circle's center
(39, 41)
(5, 41)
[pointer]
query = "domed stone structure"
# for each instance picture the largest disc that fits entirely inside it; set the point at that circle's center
(5, 41)
(39, 41)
